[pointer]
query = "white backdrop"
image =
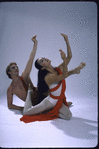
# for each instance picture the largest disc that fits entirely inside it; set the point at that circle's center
(19, 21)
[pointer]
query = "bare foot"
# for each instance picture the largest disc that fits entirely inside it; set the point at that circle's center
(65, 36)
(34, 38)
(81, 66)
(69, 103)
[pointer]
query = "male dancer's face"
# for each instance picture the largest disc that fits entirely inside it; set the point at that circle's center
(14, 70)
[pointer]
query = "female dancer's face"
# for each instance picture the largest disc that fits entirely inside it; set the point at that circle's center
(44, 62)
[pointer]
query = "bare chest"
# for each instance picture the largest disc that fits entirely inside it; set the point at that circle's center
(19, 90)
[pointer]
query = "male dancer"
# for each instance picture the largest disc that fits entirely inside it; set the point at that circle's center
(19, 85)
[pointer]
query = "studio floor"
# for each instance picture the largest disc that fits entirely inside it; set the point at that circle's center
(80, 131)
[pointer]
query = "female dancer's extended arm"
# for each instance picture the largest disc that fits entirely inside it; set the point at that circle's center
(68, 58)
(77, 69)
(69, 53)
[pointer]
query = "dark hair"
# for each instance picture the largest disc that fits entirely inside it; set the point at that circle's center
(41, 85)
(37, 65)
(8, 69)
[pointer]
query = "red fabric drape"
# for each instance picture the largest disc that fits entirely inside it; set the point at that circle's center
(53, 114)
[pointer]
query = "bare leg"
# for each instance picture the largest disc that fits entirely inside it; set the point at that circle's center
(64, 112)
(28, 103)
(41, 107)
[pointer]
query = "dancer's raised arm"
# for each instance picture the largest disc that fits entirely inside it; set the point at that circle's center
(69, 53)
(50, 79)
(28, 67)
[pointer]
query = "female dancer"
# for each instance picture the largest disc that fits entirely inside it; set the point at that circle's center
(55, 80)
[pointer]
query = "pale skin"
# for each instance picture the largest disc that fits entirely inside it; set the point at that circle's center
(51, 78)
(16, 87)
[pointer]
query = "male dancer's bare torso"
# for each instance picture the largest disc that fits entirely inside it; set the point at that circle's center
(19, 89)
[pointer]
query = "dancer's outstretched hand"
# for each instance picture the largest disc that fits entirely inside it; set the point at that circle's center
(34, 38)
(63, 55)
(65, 36)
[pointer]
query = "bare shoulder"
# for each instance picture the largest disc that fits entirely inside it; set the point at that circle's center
(26, 78)
(51, 78)
(48, 79)
(10, 89)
